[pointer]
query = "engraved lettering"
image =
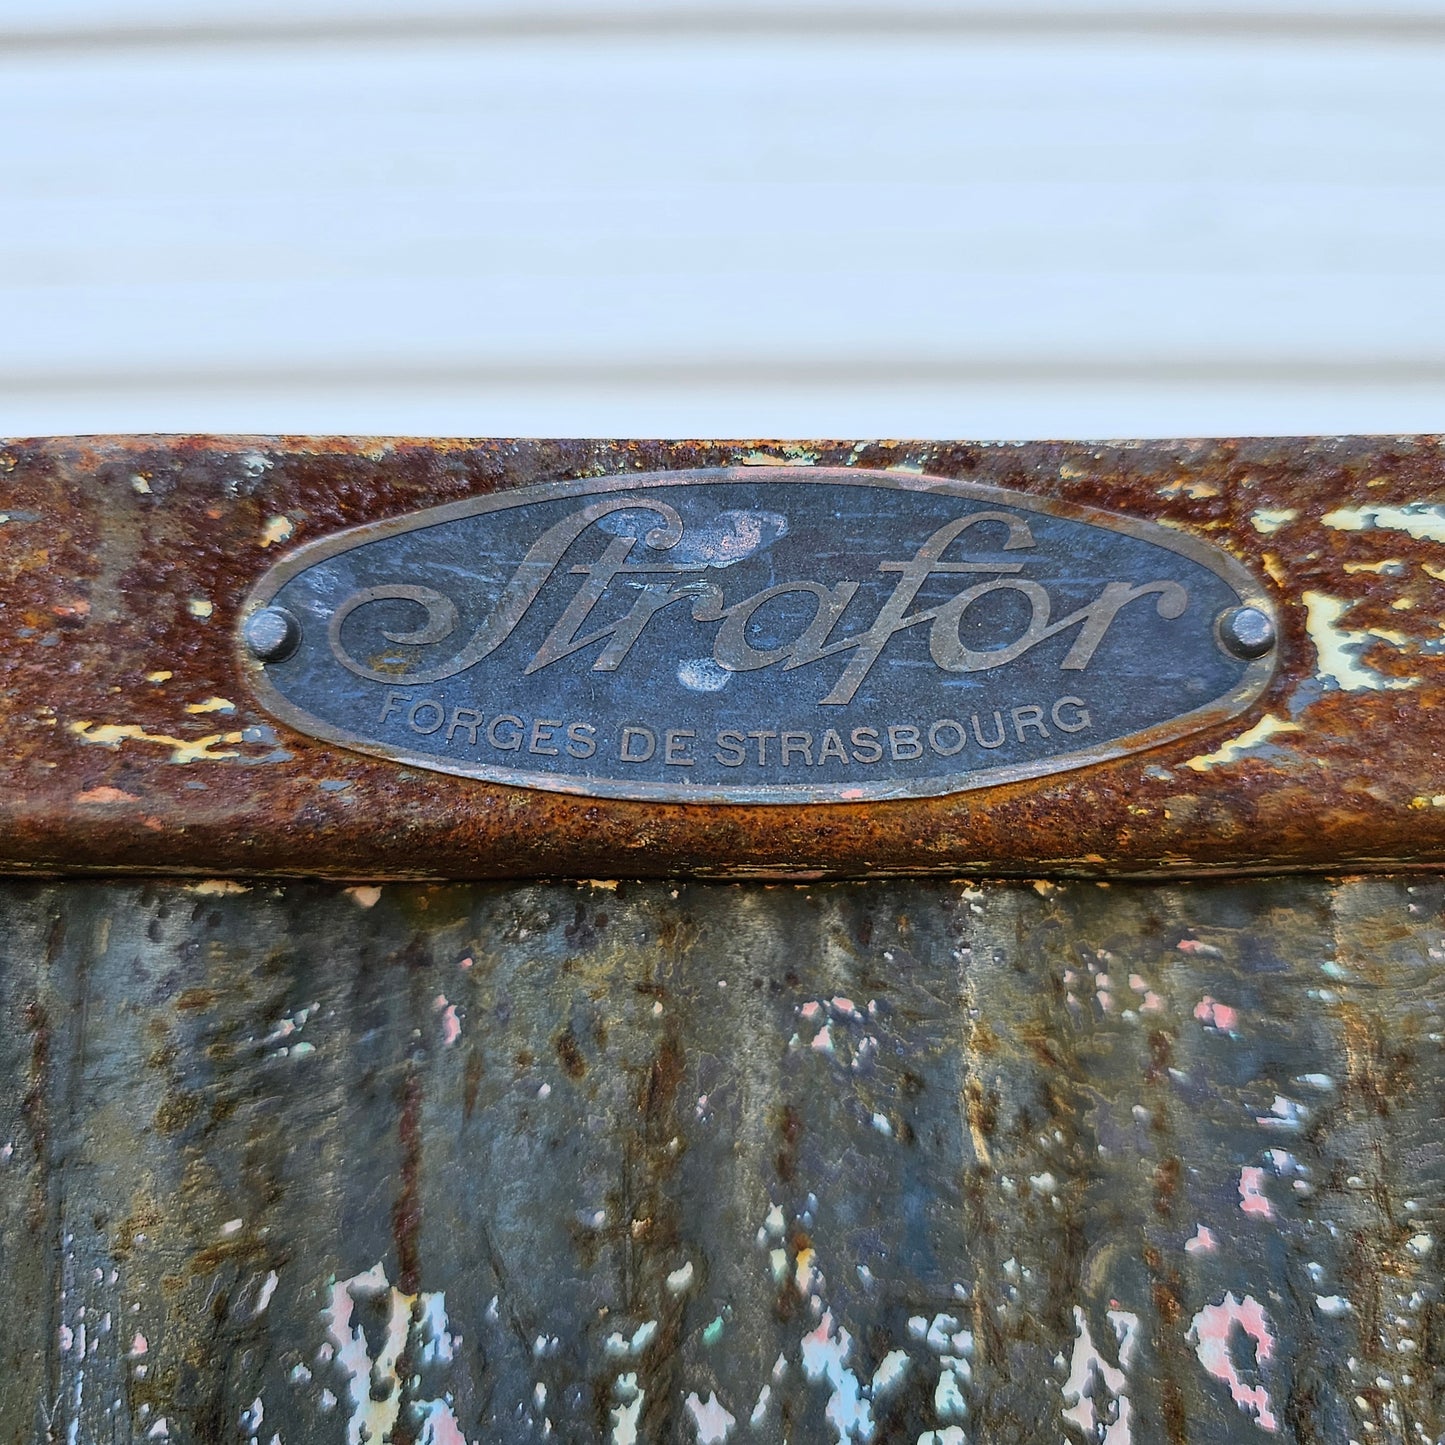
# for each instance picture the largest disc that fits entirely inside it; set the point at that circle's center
(905, 744)
(638, 744)
(866, 746)
(946, 647)
(940, 730)
(464, 717)
(542, 730)
(675, 746)
(527, 581)
(513, 740)
(1029, 717)
(998, 738)
(762, 742)
(732, 649)
(1080, 718)
(800, 743)
(732, 750)
(831, 747)
(581, 742)
(428, 705)
(394, 700)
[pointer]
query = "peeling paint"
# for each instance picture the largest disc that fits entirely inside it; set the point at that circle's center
(1422, 520)
(183, 750)
(1338, 648)
(1248, 741)
(1212, 1333)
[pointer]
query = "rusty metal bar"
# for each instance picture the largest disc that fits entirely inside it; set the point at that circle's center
(133, 740)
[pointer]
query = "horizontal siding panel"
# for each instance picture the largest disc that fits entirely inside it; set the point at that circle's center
(49, 24)
(490, 235)
(1014, 408)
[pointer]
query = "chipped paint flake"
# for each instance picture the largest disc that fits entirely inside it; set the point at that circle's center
(211, 704)
(1338, 648)
(714, 1424)
(1212, 1333)
(1252, 1198)
(1267, 521)
(1095, 1394)
(1424, 521)
(825, 1358)
(1203, 1241)
(105, 795)
(1248, 741)
(183, 750)
(277, 529)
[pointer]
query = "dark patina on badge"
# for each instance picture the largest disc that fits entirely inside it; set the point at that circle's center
(807, 635)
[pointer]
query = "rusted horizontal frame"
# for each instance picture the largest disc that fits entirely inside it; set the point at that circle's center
(129, 740)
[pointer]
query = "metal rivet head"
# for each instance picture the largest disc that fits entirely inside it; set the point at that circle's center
(271, 634)
(1246, 632)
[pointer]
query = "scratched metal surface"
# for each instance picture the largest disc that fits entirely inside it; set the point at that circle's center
(132, 743)
(883, 1161)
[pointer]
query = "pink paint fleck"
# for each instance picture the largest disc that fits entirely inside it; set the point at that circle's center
(823, 1040)
(1252, 1198)
(1152, 1004)
(441, 1426)
(1196, 949)
(1203, 1241)
(139, 1345)
(451, 1025)
(809, 1010)
(465, 963)
(845, 1006)
(1212, 1332)
(1217, 1015)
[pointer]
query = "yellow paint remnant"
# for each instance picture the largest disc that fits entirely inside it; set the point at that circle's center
(1266, 728)
(217, 887)
(212, 704)
(1421, 520)
(1275, 568)
(184, 750)
(1402, 604)
(609, 884)
(105, 795)
(1387, 566)
(159, 676)
(765, 459)
(368, 895)
(200, 607)
(1336, 646)
(277, 529)
(1435, 801)
(1190, 488)
(1267, 521)
(141, 485)
(1438, 573)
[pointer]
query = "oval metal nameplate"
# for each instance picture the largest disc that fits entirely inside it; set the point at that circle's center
(740, 636)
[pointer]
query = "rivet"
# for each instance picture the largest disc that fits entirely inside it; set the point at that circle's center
(271, 634)
(1246, 632)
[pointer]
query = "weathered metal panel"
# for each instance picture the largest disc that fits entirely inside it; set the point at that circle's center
(132, 742)
(874, 1161)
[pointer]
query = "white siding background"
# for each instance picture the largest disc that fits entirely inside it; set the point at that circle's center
(737, 218)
